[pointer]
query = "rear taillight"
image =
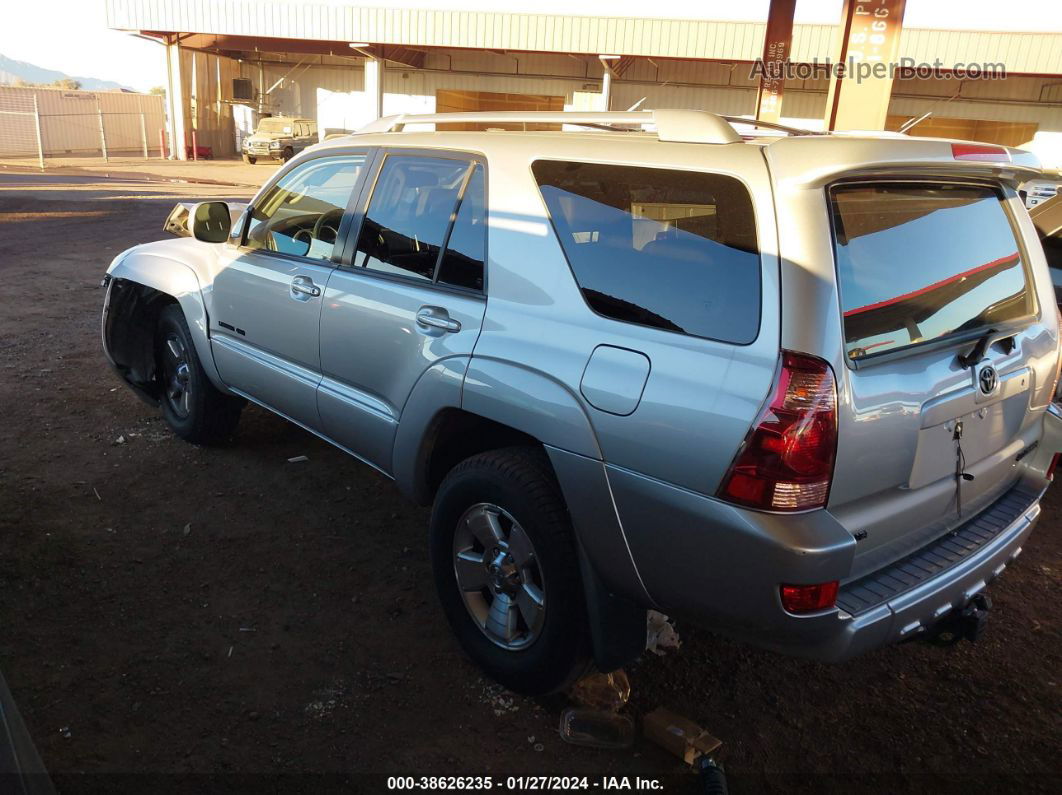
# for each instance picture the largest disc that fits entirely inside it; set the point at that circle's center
(786, 461)
(809, 598)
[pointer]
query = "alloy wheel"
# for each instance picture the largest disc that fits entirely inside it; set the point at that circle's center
(499, 576)
(177, 376)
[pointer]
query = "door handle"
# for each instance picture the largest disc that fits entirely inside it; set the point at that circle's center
(438, 318)
(305, 286)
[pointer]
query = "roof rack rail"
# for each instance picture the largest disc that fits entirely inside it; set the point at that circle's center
(684, 126)
(770, 125)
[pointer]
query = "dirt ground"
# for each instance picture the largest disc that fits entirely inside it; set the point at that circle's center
(210, 619)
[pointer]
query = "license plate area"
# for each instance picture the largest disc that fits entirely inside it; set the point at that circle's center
(986, 428)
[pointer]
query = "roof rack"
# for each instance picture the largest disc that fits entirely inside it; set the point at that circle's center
(684, 126)
(770, 125)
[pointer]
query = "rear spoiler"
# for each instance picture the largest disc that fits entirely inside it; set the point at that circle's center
(810, 161)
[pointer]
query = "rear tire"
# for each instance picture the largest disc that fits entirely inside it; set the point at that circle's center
(191, 405)
(250, 160)
(526, 626)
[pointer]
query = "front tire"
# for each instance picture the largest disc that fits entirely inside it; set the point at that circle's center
(287, 154)
(506, 570)
(250, 160)
(191, 405)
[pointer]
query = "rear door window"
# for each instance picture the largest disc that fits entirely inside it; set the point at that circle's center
(922, 262)
(466, 251)
(427, 221)
(674, 250)
(409, 215)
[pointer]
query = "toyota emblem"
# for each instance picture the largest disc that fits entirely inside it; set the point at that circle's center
(987, 379)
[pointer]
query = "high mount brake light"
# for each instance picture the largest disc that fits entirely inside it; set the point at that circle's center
(786, 460)
(981, 152)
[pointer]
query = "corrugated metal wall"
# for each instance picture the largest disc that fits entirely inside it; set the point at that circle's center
(1039, 53)
(207, 86)
(332, 90)
(70, 121)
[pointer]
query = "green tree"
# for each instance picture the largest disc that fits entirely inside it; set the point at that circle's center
(69, 83)
(160, 90)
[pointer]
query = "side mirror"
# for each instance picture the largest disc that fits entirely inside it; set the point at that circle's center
(211, 222)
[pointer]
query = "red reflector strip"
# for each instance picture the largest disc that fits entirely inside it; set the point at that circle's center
(808, 598)
(980, 152)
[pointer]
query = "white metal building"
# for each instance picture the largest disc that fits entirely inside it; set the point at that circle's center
(344, 64)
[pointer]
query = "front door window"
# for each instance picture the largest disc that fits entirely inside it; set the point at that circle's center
(300, 215)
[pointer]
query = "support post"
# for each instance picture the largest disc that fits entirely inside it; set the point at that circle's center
(162, 143)
(175, 92)
(776, 48)
(606, 90)
(867, 44)
(261, 91)
(37, 124)
(143, 134)
(374, 69)
(103, 131)
(195, 145)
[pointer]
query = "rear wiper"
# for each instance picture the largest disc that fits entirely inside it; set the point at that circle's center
(978, 352)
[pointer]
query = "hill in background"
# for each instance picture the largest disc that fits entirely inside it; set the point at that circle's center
(12, 72)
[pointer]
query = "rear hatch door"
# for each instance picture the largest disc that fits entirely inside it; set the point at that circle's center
(947, 356)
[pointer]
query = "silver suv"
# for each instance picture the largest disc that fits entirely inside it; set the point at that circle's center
(794, 387)
(279, 138)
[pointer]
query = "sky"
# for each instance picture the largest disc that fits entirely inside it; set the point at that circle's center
(72, 35)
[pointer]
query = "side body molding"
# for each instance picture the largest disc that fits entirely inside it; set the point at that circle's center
(175, 278)
(530, 401)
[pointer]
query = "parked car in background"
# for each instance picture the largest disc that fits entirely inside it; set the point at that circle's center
(792, 387)
(1037, 191)
(279, 138)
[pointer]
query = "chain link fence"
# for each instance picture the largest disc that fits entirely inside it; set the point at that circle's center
(38, 124)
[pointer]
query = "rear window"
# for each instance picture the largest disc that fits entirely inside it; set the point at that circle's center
(918, 263)
(675, 250)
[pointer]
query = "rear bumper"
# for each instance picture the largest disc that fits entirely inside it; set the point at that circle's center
(907, 599)
(721, 567)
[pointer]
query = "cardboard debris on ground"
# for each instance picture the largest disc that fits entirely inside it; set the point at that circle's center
(679, 735)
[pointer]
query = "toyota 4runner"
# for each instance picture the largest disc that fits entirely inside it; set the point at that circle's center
(795, 387)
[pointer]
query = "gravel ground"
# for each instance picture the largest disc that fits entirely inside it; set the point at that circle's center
(183, 618)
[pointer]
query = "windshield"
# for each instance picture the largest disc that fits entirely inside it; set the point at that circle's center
(919, 262)
(275, 126)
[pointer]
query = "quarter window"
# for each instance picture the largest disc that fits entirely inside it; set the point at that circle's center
(300, 215)
(675, 250)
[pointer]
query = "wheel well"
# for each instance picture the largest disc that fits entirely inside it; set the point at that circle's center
(455, 435)
(129, 332)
